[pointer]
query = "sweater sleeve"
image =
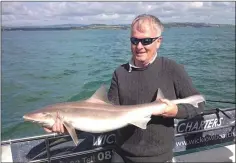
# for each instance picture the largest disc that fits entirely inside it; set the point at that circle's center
(184, 88)
(113, 92)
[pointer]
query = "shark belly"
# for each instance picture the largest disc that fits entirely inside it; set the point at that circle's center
(98, 125)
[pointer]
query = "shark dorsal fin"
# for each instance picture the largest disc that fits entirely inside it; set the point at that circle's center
(100, 96)
(160, 94)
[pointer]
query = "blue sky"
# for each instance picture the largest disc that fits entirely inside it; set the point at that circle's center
(49, 13)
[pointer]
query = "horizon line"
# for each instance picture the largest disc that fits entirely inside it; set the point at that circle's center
(109, 24)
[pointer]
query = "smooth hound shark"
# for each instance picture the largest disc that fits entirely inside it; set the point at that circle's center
(97, 115)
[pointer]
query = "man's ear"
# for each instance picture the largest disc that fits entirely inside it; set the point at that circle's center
(159, 42)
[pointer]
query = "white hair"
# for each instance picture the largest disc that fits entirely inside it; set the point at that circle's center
(154, 21)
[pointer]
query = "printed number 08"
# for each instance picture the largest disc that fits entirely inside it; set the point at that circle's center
(104, 155)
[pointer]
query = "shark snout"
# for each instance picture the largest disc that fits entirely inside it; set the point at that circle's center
(26, 117)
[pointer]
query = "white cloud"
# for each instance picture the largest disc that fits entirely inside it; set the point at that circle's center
(196, 4)
(14, 8)
(43, 13)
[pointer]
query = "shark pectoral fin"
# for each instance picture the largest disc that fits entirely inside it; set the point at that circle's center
(160, 94)
(72, 132)
(142, 123)
(100, 96)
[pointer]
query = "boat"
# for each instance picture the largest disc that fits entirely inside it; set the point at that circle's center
(209, 137)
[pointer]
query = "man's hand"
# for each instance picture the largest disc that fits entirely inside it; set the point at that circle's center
(57, 127)
(170, 110)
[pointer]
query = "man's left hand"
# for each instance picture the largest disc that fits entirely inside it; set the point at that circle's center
(170, 110)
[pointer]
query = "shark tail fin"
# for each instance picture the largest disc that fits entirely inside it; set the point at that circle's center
(197, 99)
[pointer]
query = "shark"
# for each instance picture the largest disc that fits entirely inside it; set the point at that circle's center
(97, 114)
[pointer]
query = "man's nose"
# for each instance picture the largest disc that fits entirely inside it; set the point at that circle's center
(140, 45)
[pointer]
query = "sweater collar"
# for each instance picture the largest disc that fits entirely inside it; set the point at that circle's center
(132, 65)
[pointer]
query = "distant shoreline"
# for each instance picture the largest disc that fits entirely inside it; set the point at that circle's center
(105, 26)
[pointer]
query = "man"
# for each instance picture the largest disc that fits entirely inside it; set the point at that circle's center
(137, 82)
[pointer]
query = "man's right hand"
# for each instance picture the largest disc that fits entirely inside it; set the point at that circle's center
(57, 127)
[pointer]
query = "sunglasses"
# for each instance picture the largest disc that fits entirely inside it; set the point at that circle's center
(144, 41)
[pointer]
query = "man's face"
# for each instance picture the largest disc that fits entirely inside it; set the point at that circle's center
(144, 53)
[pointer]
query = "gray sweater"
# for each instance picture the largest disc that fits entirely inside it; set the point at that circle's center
(140, 86)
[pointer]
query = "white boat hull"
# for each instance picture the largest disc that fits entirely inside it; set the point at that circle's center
(220, 154)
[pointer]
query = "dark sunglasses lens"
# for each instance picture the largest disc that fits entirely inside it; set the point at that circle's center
(134, 41)
(146, 41)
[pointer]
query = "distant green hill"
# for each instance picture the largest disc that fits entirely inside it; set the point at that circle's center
(105, 26)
